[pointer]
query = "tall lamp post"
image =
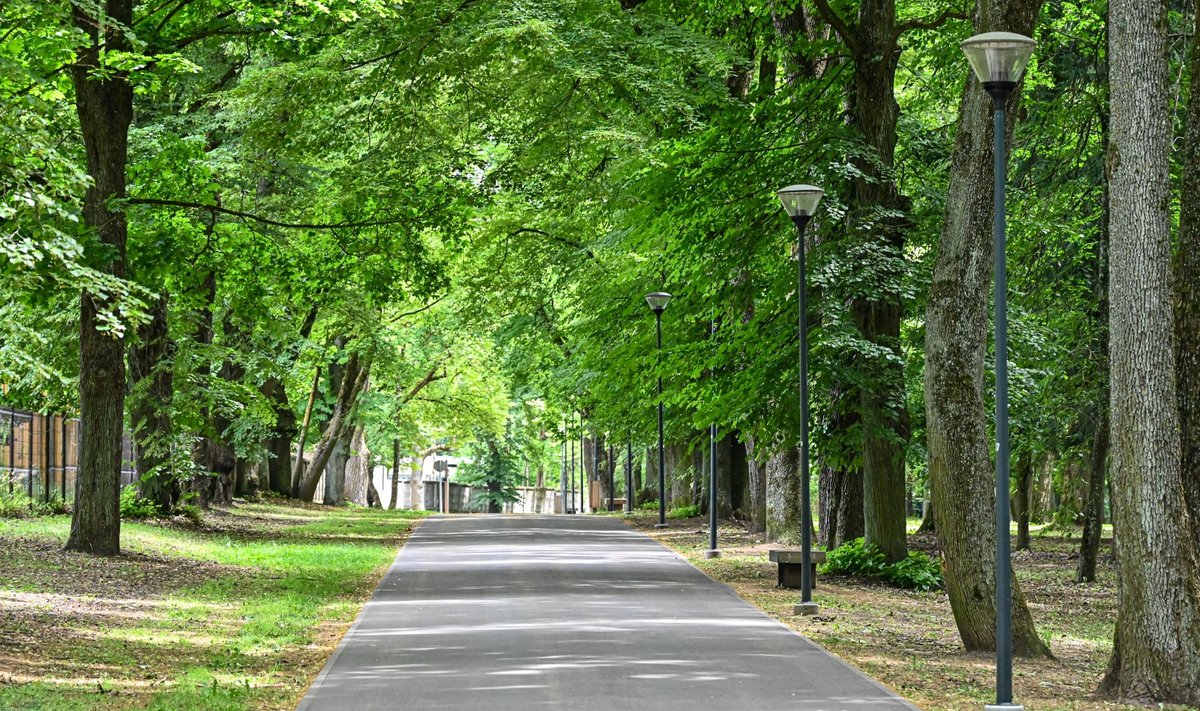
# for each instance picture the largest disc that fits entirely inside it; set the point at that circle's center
(658, 303)
(800, 202)
(713, 551)
(999, 59)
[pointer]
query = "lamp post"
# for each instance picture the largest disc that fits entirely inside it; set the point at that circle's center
(999, 59)
(629, 474)
(712, 551)
(800, 202)
(658, 303)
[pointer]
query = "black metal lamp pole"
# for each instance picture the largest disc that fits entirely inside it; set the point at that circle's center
(800, 202)
(658, 303)
(712, 551)
(629, 474)
(998, 59)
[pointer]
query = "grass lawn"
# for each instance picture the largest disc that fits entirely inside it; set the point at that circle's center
(239, 613)
(908, 639)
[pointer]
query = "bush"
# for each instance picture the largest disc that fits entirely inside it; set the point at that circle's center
(648, 506)
(134, 506)
(19, 505)
(684, 511)
(916, 572)
(191, 512)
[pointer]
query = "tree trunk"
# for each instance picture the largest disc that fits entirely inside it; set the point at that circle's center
(961, 476)
(1158, 601)
(396, 476)
(841, 505)
(758, 488)
(358, 468)
(298, 465)
(1021, 502)
(1093, 515)
(152, 389)
(104, 102)
(783, 496)
(1187, 297)
(283, 434)
(352, 383)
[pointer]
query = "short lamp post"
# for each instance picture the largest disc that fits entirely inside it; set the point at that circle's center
(658, 303)
(999, 59)
(800, 202)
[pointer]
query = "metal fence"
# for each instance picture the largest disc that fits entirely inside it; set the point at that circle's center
(39, 455)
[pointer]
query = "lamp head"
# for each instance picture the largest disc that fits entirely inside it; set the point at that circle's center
(800, 201)
(658, 301)
(999, 60)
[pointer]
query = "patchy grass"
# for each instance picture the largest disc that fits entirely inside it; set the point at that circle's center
(239, 613)
(908, 639)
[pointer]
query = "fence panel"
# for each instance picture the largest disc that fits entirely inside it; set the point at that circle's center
(39, 455)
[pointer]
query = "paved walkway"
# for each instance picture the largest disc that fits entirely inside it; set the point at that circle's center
(579, 612)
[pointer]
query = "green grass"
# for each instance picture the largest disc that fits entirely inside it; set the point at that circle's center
(238, 634)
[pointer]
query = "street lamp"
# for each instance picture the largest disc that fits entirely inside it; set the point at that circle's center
(658, 303)
(800, 202)
(999, 58)
(712, 551)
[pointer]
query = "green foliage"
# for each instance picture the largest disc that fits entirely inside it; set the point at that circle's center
(134, 507)
(648, 505)
(916, 572)
(689, 511)
(19, 505)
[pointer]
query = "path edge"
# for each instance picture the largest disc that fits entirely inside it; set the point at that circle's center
(307, 699)
(729, 588)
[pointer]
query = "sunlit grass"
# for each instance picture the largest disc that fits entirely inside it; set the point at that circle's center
(241, 637)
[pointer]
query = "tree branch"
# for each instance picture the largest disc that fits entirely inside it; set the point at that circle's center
(430, 377)
(929, 24)
(260, 218)
(847, 32)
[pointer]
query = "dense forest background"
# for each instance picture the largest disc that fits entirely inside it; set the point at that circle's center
(369, 227)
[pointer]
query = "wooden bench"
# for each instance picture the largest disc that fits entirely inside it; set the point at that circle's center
(790, 562)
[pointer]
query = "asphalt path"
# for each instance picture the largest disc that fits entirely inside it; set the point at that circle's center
(571, 612)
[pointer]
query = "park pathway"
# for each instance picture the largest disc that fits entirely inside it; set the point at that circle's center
(570, 612)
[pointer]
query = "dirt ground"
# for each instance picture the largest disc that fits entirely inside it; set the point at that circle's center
(908, 639)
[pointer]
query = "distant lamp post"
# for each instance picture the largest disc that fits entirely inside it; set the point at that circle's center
(800, 202)
(658, 303)
(713, 551)
(999, 59)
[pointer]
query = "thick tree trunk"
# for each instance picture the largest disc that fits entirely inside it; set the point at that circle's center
(758, 488)
(1021, 501)
(1158, 610)
(104, 102)
(1093, 514)
(961, 476)
(358, 469)
(152, 389)
(283, 434)
(298, 465)
(352, 384)
(1187, 296)
(841, 505)
(783, 496)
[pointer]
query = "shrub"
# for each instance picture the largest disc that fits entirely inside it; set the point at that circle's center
(19, 505)
(684, 511)
(648, 505)
(134, 506)
(916, 572)
(191, 512)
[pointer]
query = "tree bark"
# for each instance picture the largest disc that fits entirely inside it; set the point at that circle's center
(1187, 296)
(758, 488)
(358, 469)
(841, 505)
(298, 465)
(1093, 515)
(783, 496)
(396, 476)
(1158, 609)
(961, 476)
(104, 103)
(1021, 502)
(352, 383)
(152, 389)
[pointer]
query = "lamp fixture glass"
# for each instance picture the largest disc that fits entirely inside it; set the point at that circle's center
(658, 300)
(998, 57)
(800, 200)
